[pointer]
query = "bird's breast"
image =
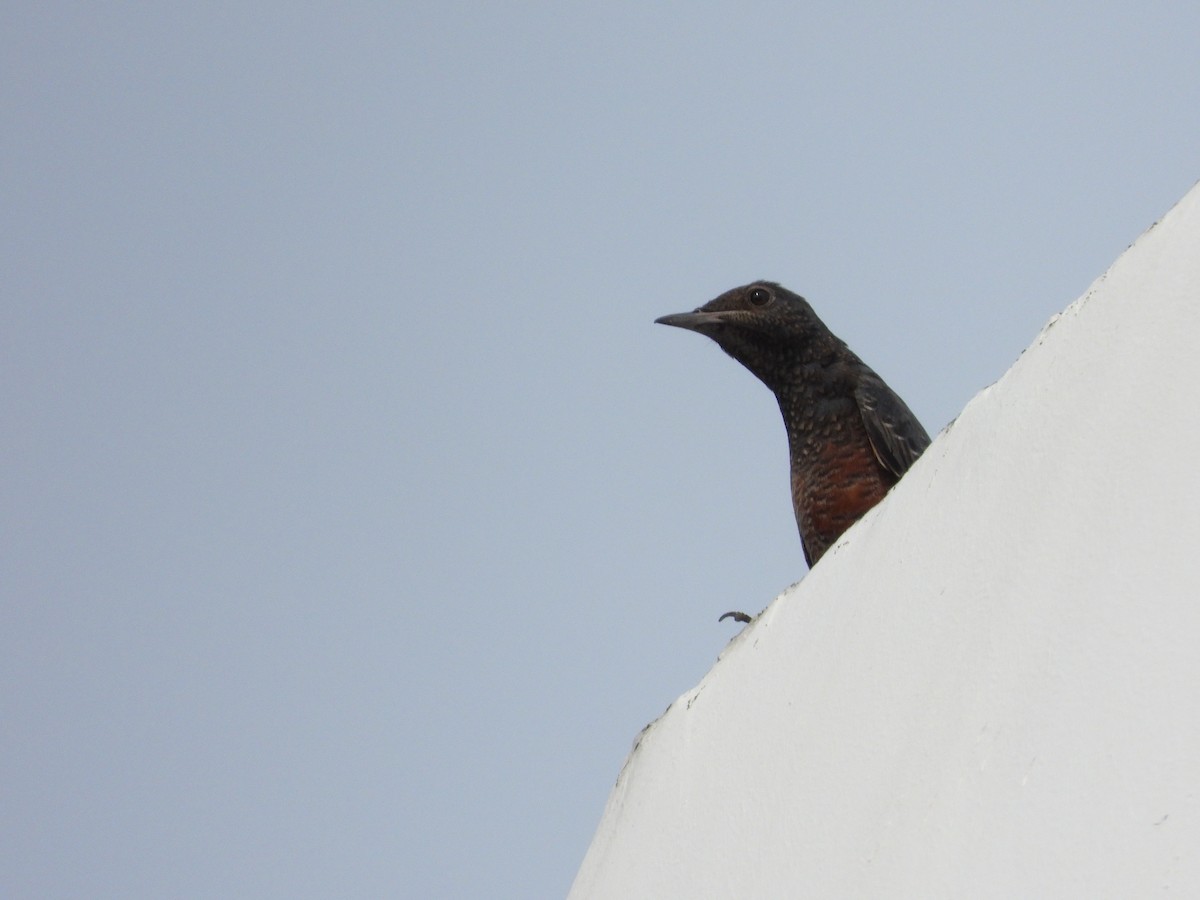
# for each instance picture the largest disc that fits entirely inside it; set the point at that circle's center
(833, 485)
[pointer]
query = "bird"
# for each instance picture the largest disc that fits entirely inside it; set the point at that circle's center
(850, 437)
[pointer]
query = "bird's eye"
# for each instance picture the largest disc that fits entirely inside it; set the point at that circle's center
(759, 297)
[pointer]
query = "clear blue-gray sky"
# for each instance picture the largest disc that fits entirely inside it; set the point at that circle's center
(355, 515)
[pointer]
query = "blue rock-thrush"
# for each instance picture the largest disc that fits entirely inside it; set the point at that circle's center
(850, 437)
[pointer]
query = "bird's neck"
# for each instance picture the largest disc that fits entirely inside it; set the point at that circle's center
(813, 397)
(804, 383)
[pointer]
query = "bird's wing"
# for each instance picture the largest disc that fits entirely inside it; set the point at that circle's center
(896, 436)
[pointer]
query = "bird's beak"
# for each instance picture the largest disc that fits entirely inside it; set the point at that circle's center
(693, 321)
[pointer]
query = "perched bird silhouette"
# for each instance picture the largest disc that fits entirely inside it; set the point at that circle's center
(849, 435)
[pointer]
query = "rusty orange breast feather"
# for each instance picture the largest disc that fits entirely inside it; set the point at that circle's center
(833, 490)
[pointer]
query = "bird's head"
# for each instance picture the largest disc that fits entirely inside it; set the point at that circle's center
(762, 325)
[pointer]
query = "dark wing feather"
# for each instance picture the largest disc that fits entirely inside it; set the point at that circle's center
(896, 436)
